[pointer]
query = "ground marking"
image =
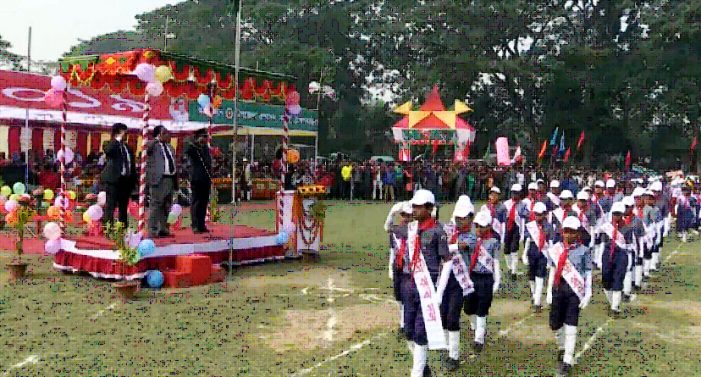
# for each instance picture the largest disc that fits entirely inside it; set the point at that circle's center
(101, 312)
(507, 330)
(592, 339)
(32, 359)
(671, 255)
(331, 322)
(353, 348)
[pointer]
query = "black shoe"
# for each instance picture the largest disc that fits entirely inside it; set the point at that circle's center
(478, 347)
(452, 364)
(560, 355)
(626, 298)
(400, 333)
(615, 314)
(564, 370)
(164, 234)
(537, 308)
(427, 371)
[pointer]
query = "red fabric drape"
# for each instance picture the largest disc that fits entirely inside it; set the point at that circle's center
(180, 146)
(95, 146)
(38, 141)
(81, 144)
(13, 140)
(132, 141)
(57, 140)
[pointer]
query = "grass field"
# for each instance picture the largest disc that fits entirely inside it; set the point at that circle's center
(331, 317)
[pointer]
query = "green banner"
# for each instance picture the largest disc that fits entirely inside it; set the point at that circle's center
(256, 115)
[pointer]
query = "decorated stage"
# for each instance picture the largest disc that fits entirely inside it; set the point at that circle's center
(95, 255)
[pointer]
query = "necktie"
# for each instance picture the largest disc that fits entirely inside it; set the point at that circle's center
(426, 225)
(613, 242)
(169, 158)
(400, 254)
(541, 239)
(475, 254)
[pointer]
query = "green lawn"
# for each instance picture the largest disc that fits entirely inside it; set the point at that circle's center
(332, 317)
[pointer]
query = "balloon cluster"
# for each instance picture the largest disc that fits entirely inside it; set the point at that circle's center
(154, 77)
(292, 103)
(54, 96)
(175, 211)
(93, 213)
(10, 199)
(52, 232)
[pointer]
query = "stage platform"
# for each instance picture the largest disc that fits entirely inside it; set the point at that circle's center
(94, 255)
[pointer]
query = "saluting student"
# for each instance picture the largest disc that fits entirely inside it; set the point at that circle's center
(571, 289)
(614, 258)
(540, 234)
(399, 257)
(485, 273)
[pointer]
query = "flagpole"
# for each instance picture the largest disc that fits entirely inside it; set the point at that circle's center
(26, 114)
(237, 58)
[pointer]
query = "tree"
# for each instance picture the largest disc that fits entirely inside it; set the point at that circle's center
(7, 57)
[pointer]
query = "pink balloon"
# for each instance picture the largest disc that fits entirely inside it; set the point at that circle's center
(294, 109)
(95, 212)
(11, 205)
(154, 89)
(53, 98)
(51, 247)
(52, 231)
(58, 83)
(69, 155)
(145, 72)
(133, 209)
(292, 98)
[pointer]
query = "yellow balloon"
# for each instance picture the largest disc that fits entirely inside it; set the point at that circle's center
(163, 74)
(86, 217)
(48, 194)
(6, 191)
(72, 195)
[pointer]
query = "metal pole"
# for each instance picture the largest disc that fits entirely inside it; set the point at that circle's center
(26, 113)
(253, 147)
(165, 35)
(237, 56)
(318, 119)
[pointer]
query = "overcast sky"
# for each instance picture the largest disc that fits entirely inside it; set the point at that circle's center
(59, 24)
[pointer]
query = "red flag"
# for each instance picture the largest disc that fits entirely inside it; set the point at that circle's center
(543, 149)
(518, 157)
(580, 142)
(567, 155)
(628, 161)
(694, 143)
(435, 146)
(404, 154)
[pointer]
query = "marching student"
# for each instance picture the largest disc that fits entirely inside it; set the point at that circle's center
(454, 282)
(633, 231)
(685, 213)
(651, 219)
(639, 226)
(495, 208)
(512, 211)
(615, 258)
(571, 289)
(528, 203)
(398, 256)
(552, 198)
(587, 217)
(540, 234)
(662, 204)
(485, 273)
(564, 210)
(610, 196)
(427, 245)
(542, 190)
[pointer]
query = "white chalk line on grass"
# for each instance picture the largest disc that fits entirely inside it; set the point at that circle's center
(592, 339)
(514, 325)
(32, 359)
(102, 311)
(673, 253)
(354, 348)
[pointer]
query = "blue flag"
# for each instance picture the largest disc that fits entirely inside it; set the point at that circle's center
(553, 138)
(562, 143)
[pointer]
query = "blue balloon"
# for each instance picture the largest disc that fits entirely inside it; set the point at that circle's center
(282, 238)
(154, 278)
(203, 100)
(146, 248)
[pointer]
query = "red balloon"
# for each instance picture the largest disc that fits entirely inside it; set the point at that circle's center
(133, 209)
(292, 98)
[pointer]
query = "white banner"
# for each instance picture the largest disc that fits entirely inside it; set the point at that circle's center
(569, 273)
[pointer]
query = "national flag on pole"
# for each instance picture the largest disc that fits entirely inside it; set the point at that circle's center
(461, 154)
(562, 143)
(543, 149)
(567, 155)
(518, 157)
(580, 142)
(628, 161)
(553, 138)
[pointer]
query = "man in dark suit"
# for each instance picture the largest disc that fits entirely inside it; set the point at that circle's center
(161, 175)
(197, 151)
(119, 175)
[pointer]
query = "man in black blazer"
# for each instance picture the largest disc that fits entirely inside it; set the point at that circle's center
(119, 175)
(197, 151)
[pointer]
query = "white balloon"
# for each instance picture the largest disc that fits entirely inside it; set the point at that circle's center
(69, 155)
(58, 83)
(52, 231)
(102, 198)
(154, 89)
(314, 87)
(95, 212)
(51, 247)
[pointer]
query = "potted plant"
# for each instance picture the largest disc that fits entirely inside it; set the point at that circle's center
(128, 256)
(17, 220)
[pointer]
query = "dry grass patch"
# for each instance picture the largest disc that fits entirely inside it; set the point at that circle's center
(509, 308)
(538, 333)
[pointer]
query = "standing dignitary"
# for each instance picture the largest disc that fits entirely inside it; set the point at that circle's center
(162, 178)
(118, 176)
(197, 151)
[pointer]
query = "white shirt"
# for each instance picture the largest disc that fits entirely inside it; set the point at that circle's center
(166, 153)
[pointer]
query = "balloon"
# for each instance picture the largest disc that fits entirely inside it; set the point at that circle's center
(502, 146)
(58, 83)
(38, 191)
(52, 231)
(204, 101)
(72, 195)
(53, 212)
(19, 188)
(53, 98)
(101, 198)
(86, 217)
(292, 98)
(145, 72)
(133, 209)
(65, 203)
(146, 248)
(11, 205)
(95, 212)
(172, 218)
(282, 238)
(154, 89)
(48, 194)
(6, 191)
(44, 205)
(14, 197)
(163, 74)
(133, 239)
(11, 218)
(314, 87)
(292, 156)
(154, 278)
(24, 198)
(177, 209)
(294, 109)
(69, 155)
(51, 247)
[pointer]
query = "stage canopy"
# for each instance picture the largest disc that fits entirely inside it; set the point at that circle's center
(433, 124)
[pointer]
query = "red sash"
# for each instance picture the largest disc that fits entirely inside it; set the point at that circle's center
(512, 216)
(475, 254)
(561, 264)
(613, 241)
(399, 261)
(424, 226)
(541, 239)
(530, 210)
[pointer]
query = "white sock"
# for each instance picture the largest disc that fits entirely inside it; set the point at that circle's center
(531, 284)
(560, 338)
(570, 342)
(473, 322)
(616, 300)
(654, 261)
(447, 339)
(538, 291)
(646, 267)
(420, 353)
(598, 254)
(401, 316)
(410, 345)
(628, 283)
(454, 345)
(608, 295)
(638, 276)
(481, 329)
(684, 237)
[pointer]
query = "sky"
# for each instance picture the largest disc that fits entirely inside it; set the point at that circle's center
(59, 24)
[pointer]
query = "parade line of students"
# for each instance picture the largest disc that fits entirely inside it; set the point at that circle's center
(440, 270)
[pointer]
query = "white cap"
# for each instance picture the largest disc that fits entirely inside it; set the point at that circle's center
(463, 207)
(539, 181)
(638, 192)
(656, 186)
(495, 189)
(516, 187)
(554, 183)
(586, 188)
(539, 207)
(618, 207)
(582, 195)
(571, 222)
(610, 183)
(599, 184)
(649, 193)
(628, 201)
(483, 218)
(422, 197)
(406, 207)
(533, 186)
(566, 194)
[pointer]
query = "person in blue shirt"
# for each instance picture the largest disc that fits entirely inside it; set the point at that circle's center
(399, 256)
(540, 234)
(614, 259)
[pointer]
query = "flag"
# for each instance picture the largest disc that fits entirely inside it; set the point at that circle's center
(553, 138)
(488, 152)
(517, 156)
(580, 142)
(567, 155)
(543, 149)
(405, 154)
(435, 147)
(694, 143)
(562, 143)
(461, 154)
(628, 161)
